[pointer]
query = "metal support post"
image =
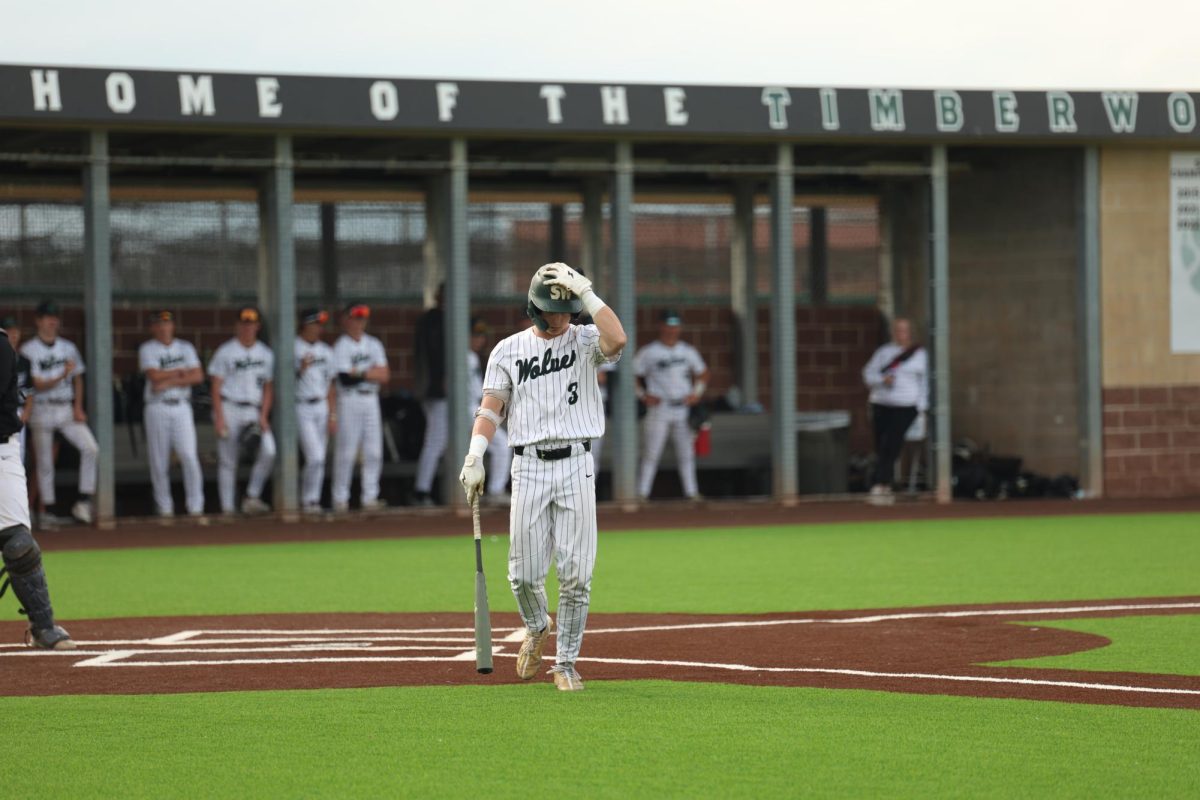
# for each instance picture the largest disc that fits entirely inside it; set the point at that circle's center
(591, 250)
(818, 256)
(743, 283)
(279, 305)
(457, 320)
(330, 297)
(621, 396)
(940, 319)
(97, 299)
(1091, 429)
(783, 331)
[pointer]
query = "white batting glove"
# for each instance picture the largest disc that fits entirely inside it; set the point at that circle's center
(472, 476)
(562, 275)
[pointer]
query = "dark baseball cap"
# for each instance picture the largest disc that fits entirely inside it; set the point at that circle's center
(47, 308)
(671, 317)
(310, 315)
(479, 327)
(9, 322)
(249, 314)
(162, 315)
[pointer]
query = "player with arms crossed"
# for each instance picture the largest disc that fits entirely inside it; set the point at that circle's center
(544, 380)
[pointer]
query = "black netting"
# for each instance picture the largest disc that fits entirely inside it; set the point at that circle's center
(41, 248)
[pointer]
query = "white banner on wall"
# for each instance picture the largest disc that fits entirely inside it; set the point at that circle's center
(1185, 252)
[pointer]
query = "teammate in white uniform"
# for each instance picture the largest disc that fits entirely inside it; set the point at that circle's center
(243, 391)
(499, 454)
(57, 371)
(544, 380)
(172, 368)
(316, 404)
(603, 375)
(673, 377)
(362, 368)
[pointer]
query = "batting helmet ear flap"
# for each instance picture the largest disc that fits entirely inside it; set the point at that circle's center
(535, 314)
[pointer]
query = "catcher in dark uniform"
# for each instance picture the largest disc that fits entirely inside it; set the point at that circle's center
(22, 557)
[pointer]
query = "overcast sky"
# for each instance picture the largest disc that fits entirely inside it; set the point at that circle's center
(1138, 44)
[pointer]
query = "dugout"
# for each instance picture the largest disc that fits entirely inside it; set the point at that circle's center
(977, 213)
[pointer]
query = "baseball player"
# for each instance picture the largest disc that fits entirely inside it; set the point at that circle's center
(172, 368)
(316, 410)
(499, 454)
(243, 391)
(19, 550)
(543, 380)
(24, 377)
(673, 377)
(429, 359)
(57, 371)
(603, 375)
(362, 367)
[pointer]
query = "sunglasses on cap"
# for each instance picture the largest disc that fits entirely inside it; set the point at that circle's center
(321, 317)
(359, 312)
(163, 316)
(248, 315)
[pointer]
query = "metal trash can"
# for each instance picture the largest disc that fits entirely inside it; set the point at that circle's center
(823, 452)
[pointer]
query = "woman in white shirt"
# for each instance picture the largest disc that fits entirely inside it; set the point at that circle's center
(898, 377)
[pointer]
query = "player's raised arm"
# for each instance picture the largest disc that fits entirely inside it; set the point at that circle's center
(612, 334)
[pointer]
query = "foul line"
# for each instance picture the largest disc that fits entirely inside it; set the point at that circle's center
(908, 675)
(998, 612)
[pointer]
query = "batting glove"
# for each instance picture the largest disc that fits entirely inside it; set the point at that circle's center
(562, 275)
(472, 476)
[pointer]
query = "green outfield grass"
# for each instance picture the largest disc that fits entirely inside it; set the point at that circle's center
(634, 739)
(1169, 645)
(712, 570)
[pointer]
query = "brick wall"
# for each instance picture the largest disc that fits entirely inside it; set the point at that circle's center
(1152, 441)
(832, 345)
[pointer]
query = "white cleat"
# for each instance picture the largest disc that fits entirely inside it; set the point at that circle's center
(566, 678)
(255, 507)
(82, 511)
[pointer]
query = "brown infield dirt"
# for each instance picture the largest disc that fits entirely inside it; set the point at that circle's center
(936, 650)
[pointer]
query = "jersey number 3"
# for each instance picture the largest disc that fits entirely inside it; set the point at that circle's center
(573, 396)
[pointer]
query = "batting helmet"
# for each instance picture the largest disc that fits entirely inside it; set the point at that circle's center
(552, 298)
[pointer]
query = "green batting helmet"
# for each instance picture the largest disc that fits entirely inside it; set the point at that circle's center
(550, 298)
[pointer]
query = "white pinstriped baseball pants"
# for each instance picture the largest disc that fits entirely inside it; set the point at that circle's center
(44, 421)
(659, 422)
(436, 434)
(312, 429)
(236, 419)
(172, 427)
(553, 516)
(360, 425)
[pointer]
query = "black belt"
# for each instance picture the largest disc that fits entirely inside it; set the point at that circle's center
(48, 402)
(676, 403)
(553, 454)
(174, 402)
(311, 400)
(241, 403)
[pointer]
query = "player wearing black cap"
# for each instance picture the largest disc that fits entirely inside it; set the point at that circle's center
(57, 371)
(172, 368)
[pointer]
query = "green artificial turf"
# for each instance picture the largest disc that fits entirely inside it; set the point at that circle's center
(712, 570)
(1166, 645)
(621, 739)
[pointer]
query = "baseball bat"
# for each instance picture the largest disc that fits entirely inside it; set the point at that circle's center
(483, 619)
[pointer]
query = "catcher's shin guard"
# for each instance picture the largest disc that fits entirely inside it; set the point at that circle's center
(23, 562)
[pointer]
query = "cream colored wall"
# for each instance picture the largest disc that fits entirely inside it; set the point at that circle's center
(1135, 271)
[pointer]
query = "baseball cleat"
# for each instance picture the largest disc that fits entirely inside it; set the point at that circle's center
(82, 511)
(374, 505)
(529, 657)
(341, 507)
(50, 639)
(566, 678)
(312, 509)
(253, 505)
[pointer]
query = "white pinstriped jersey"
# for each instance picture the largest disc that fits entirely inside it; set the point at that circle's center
(49, 361)
(313, 382)
(668, 370)
(356, 358)
(554, 396)
(245, 370)
(176, 355)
